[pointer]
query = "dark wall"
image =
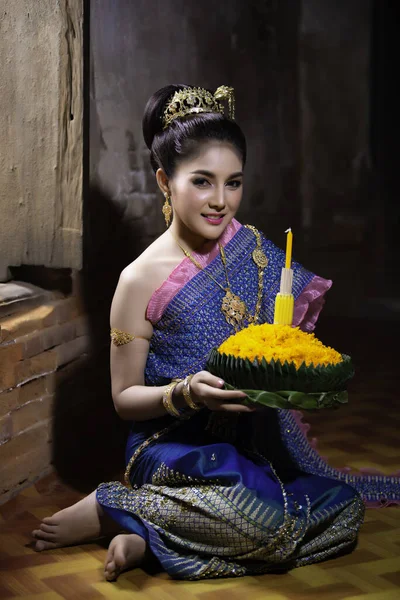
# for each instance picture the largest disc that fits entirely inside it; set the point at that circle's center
(303, 80)
(384, 126)
(337, 188)
(137, 47)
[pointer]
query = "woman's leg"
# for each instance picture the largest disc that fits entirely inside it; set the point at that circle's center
(331, 535)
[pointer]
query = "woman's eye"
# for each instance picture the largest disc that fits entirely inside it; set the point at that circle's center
(235, 183)
(200, 181)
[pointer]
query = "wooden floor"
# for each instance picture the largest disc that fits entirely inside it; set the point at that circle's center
(363, 433)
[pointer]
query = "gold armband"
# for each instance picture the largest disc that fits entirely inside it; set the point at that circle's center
(120, 338)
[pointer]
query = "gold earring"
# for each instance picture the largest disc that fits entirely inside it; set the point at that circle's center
(167, 210)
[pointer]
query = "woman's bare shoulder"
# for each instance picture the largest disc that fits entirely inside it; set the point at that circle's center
(128, 308)
(138, 281)
(154, 265)
(134, 288)
(147, 268)
(132, 276)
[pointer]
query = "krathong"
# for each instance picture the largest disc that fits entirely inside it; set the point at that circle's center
(279, 342)
(282, 367)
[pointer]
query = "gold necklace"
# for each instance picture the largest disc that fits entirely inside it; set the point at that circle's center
(233, 307)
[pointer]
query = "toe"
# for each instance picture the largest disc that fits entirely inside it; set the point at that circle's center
(50, 521)
(110, 571)
(47, 528)
(44, 535)
(119, 558)
(42, 545)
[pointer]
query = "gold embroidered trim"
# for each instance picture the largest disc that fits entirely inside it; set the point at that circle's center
(144, 445)
(120, 338)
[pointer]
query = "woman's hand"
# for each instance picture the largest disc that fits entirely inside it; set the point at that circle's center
(205, 389)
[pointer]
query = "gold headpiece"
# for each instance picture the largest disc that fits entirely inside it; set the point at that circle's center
(198, 100)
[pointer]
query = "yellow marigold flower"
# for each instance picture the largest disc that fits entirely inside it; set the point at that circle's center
(279, 342)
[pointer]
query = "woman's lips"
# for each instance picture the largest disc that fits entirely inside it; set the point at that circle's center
(214, 220)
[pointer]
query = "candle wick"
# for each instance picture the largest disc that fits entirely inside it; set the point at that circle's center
(287, 230)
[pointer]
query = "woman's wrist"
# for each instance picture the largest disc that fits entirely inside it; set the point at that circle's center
(167, 400)
(177, 400)
(187, 393)
(177, 396)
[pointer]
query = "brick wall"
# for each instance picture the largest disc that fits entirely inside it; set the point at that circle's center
(41, 334)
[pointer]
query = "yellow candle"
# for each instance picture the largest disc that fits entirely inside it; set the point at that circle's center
(289, 243)
(284, 308)
(284, 301)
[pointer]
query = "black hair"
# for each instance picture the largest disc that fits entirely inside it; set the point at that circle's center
(182, 137)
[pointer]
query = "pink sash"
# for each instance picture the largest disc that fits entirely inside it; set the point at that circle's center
(306, 309)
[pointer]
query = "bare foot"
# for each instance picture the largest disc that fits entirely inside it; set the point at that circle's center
(80, 522)
(125, 552)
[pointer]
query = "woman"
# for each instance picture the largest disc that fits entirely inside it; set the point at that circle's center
(214, 488)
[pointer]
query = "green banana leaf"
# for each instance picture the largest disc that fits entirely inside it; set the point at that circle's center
(291, 399)
(274, 375)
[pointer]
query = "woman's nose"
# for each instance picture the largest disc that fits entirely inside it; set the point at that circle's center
(218, 199)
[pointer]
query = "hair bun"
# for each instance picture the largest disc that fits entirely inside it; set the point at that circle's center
(154, 111)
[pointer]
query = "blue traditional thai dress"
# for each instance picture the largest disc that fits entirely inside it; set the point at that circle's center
(221, 494)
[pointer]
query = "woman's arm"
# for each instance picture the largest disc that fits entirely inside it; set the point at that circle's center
(133, 400)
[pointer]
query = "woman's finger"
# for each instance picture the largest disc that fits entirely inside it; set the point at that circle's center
(207, 378)
(205, 382)
(206, 391)
(218, 406)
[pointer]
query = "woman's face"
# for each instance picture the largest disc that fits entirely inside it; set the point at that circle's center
(206, 191)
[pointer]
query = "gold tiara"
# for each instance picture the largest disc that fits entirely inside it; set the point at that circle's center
(191, 101)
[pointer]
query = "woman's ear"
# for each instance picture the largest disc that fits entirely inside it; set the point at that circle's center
(162, 181)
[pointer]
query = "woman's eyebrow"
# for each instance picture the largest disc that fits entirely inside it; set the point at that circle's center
(210, 174)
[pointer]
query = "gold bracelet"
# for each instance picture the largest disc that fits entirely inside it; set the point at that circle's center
(167, 400)
(186, 393)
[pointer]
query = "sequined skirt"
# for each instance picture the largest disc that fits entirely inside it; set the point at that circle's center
(208, 508)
